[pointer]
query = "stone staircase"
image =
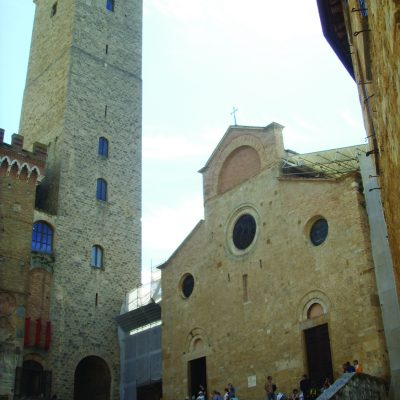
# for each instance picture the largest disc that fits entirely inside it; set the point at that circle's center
(353, 386)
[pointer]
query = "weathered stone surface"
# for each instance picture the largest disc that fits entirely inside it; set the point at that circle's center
(249, 309)
(84, 82)
(375, 54)
(373, 34)
(352, 386)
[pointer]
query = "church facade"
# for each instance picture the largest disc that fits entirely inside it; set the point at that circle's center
(278, 278)
(82, 99)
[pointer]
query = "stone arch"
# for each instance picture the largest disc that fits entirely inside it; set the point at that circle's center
(223, 153)
(313, 298)
(4, 163)
(24, 172)
(14, 169)
(313, 314)
(314, 311)
(31, 380)
(197, 342)
(35, 175)
(241, 164)
(92, 379)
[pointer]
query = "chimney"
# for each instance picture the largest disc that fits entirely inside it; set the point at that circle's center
(1, 135)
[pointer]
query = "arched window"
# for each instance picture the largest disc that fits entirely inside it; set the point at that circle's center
(42, 237)
(32, 383)
(103, 147)
(97, 256)
(101, 190)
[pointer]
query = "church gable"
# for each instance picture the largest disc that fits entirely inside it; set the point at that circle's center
(242, 153)
(242, 164)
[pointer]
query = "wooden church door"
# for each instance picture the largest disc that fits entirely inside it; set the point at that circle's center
(319, 357)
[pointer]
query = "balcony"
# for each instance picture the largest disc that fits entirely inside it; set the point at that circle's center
(42, 260)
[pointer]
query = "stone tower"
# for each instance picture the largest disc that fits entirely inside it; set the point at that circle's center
(83, 99)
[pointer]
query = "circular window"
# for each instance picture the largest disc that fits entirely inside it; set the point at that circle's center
(319, 232)
(187, 285)
(244, 231)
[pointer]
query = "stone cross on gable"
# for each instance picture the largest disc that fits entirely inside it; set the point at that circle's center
(234, 114)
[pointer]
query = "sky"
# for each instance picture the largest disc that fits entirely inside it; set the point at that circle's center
(201, 58)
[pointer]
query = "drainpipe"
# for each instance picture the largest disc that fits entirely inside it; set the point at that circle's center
(383, 266)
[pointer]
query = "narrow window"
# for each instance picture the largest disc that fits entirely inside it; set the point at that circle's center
(110, 5)
(245, 292)
(53, 10)
(106, 48)
(363, 8)
(105, 112)
(103, 147)
(42, 237)
(97, 257)
(101, 190)
(96, 300)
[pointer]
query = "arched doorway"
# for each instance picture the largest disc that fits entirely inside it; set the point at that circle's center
(318, 349)
(32, 379)
(92, 379)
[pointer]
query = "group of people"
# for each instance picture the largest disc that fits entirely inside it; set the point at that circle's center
(229, 394)
(308, 388)
(355, 367)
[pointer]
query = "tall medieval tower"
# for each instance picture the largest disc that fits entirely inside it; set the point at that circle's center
(83, 99)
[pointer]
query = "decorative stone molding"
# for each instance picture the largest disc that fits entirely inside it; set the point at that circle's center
(197, 345)
(41, 260)
(315, 296)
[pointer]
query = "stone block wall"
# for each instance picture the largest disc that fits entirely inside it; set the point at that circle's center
(384, 20)
(84, 82)
(248, 312)
(373, 32)
(352, 386)
(374, 39)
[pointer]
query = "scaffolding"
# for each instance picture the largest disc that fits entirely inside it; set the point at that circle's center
(329, 164)
(140, 339)
(142, 306)
(145, 294)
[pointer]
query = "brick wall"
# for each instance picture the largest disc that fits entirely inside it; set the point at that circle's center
(18, 178)
(240, 166)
